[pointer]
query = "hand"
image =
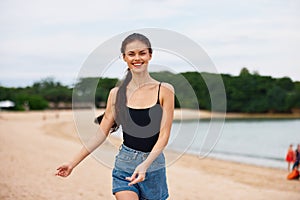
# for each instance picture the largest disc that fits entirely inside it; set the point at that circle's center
(64, 170)
(138, 175)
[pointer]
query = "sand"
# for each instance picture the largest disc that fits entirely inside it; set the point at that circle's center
(34, 144)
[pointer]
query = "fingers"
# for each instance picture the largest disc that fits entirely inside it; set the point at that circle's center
(63, 171)
(136, 178)
(62, 167)
(60, 173)
(133, 176)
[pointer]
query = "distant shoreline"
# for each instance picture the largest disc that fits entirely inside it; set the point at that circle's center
(186, 114)
(189, 114)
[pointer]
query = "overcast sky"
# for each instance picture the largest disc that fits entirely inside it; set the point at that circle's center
(40, 39)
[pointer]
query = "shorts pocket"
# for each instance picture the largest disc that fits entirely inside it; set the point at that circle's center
(125, 161)
(125, 156)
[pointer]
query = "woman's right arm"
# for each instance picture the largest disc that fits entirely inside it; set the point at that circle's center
(107, 122)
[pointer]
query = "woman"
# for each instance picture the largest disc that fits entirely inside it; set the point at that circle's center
(290, 156)
(144, 108)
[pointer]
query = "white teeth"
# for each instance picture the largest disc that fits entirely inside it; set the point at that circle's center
(139, 64)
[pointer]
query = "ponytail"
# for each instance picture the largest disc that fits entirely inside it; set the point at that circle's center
(120, 105)
(121, 99)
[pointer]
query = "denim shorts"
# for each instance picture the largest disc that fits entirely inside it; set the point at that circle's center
(154, 187)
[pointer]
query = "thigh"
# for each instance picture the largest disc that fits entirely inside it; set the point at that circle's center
(126, 195)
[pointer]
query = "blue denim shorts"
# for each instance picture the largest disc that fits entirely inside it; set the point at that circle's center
(154, 187)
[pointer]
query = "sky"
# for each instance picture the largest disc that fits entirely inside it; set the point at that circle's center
(42, 39)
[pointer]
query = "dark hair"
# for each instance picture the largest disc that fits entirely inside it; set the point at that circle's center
(98, 120)
(136, 37)
(121, 98)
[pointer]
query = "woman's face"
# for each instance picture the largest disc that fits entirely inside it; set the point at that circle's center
(137, 56)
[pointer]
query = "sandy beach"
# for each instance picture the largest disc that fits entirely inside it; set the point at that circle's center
(34, 144)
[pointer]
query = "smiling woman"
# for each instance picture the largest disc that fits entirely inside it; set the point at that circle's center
(138, 56)
(144, 108)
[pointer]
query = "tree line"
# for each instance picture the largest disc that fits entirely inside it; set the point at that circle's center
(245, 93)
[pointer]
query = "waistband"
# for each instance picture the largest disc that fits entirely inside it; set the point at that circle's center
(123, 146)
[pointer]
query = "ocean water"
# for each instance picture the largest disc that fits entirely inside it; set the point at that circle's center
(259, 142)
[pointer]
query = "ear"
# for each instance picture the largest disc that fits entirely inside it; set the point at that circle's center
(123, 55)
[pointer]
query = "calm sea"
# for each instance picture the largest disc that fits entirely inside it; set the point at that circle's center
(258, 142)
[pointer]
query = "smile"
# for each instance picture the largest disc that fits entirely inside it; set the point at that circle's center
(137, 64)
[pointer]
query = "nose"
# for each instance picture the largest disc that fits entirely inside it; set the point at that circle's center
(137, 57)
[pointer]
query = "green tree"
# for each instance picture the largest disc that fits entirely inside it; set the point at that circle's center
(34, 102)
(294, 97)
(103, 88)
(244, 72)
(285, 83)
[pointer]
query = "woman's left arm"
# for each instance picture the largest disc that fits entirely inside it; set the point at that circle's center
(167, 102)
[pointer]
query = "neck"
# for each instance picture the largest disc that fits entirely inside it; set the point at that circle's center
(138, 80)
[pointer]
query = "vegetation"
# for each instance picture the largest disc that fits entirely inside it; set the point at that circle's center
(246, 93)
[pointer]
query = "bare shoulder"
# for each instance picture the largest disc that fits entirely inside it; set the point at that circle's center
(167, 87)
(167, 96)
(114, 91)
(113, 94)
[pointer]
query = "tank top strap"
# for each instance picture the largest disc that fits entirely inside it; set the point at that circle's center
(158, 93)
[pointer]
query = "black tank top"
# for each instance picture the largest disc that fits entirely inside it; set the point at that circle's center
(142, 127)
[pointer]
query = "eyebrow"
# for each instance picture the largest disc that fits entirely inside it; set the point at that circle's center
(139, 50)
